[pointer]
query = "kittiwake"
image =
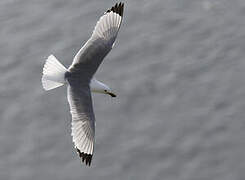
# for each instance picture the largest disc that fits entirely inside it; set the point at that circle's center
(80, 81)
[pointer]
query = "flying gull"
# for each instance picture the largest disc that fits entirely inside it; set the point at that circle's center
(80, 81)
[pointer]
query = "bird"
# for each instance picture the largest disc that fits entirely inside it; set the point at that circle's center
(80, 81)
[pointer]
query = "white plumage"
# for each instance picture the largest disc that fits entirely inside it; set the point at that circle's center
(108, 25)
(53, 73)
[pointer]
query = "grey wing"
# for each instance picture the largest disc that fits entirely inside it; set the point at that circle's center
(100, 43)
(83, 121)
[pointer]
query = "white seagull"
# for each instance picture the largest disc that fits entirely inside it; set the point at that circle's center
(80, 81)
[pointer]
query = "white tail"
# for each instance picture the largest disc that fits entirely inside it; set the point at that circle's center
(53, 73)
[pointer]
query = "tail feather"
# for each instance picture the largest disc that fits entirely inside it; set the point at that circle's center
(53, 73)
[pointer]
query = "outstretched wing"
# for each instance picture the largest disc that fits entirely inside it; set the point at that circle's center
(100, 43)
(83, 120)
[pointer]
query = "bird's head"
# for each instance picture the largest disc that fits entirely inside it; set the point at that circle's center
(106, 90)
(109, 92)
(99, 87)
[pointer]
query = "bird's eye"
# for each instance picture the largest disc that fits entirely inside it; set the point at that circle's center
(105, 90)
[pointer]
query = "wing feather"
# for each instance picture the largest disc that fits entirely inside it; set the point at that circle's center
(90, 56)
(83, 121)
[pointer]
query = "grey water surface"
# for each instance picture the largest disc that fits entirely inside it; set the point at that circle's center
(178, 68)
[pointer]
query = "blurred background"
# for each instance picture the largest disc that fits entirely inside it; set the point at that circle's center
(178, 69)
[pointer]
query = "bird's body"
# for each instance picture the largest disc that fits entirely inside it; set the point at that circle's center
(80, 81)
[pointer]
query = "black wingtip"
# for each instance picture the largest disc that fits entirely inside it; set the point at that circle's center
(118, 8)
(85, 158)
